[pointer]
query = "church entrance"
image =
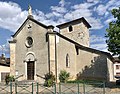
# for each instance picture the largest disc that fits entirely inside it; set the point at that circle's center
(30, 70)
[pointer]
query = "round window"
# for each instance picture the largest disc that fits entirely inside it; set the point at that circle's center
(29, 42)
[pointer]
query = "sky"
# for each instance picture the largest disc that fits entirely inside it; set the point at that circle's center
(97, 12)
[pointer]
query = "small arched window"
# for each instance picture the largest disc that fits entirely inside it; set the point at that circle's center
(67, 60)
(70, 28)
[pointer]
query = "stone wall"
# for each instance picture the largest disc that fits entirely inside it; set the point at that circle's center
(39, 49)
(79, 29)
(12, 58)
(4, 69)
(84, 64)
(65, 47)
(91, 65)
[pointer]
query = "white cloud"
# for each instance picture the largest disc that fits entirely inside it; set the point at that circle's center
(103, 8)
(62, 3)
(98, 42)
(11, 15)
(58, 14)
(95, 23)
(58, 9)
(91, 1)
(109, 20)
(83, 6)
(100, 46)
(107, 14)
(84, 10)
(4, 48)
(97, 39)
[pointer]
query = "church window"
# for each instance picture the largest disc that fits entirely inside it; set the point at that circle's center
(117, 67)
(29, 41)
(67, 60)
(70, 28)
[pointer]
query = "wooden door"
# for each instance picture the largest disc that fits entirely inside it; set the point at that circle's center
(30, 70)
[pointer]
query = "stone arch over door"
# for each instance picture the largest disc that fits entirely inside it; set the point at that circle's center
(30, 66)
(30, 56)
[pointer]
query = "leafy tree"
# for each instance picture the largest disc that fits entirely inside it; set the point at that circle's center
(49, 79)
(113, 33)
(9, 78)
(63, 76)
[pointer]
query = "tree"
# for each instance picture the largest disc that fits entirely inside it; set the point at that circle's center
(9, 78)
(63, 76)
(113, 33)
(49, 79)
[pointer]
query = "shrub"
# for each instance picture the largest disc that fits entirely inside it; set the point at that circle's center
(9, 78)
(49, 79)
(63, 76)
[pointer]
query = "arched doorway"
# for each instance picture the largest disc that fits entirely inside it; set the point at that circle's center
(30, 66)
(30, 70)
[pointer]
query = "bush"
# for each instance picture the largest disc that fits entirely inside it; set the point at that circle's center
(9, 78)
(117, 82)
(63, 76)
(75, 81)
(49, 79)
(85, 81)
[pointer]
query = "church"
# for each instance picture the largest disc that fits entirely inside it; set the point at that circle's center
(37, 49)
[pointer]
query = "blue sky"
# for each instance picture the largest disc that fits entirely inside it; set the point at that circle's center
(96, 12)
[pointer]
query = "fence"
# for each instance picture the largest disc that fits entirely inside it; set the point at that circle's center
(82, 88)
(5, 89)
(60, 88)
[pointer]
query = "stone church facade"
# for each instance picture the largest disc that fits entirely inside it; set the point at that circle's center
(36, 49)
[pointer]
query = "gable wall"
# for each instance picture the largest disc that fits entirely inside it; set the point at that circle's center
(39, 49)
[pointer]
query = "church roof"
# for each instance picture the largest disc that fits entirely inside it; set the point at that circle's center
(1, 64)
(32, 19)
(73, 21)
(116, 59)
(4, 61)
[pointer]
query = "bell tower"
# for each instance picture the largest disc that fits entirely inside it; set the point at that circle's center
(77, 30)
